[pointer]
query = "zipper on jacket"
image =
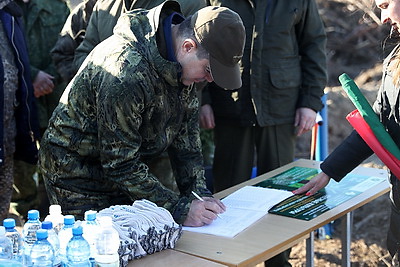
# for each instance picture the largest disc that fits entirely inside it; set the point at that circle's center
(23, 79)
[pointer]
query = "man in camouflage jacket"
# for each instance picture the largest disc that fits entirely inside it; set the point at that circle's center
(129, 102)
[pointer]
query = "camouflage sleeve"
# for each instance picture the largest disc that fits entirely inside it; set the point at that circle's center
(186, 157)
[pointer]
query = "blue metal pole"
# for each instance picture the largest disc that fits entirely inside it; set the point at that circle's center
(322, 136)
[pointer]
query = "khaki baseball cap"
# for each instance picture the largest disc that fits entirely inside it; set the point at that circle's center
(221, 32)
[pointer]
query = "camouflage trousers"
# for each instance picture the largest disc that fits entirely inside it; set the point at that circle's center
(29, 192)
(6, 185)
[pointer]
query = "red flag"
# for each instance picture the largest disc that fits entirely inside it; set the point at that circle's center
(363, 129)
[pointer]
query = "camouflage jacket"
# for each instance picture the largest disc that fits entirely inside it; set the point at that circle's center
(124, 107)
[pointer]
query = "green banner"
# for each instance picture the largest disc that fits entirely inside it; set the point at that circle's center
(308, 207)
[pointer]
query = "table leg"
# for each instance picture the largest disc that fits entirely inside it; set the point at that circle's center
(310, 250)
(346, 238)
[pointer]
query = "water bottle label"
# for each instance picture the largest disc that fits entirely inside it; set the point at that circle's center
(15, 239)
(30, 237)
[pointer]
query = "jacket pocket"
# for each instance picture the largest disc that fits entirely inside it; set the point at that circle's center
(286, 76)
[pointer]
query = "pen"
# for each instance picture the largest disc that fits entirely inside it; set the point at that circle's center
(201, 199)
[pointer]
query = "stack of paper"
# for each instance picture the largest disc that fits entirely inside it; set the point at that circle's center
(243, 207)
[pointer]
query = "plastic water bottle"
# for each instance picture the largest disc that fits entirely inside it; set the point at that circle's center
(14, 237)
(55, 216)
(107, 244)
(91, 230)
(42, 252)
(64, 236)
(29, 234)
(78, 249)
(52, 237)
(6, 250)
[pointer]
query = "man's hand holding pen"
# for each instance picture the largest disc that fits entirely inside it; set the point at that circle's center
(204, 211)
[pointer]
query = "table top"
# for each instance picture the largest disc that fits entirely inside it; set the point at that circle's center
(272, 234)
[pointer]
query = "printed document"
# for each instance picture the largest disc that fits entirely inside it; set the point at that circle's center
(243, 207)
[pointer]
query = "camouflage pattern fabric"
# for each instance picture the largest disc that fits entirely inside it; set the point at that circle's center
(123, 108)
(9, 130)
(25, 192)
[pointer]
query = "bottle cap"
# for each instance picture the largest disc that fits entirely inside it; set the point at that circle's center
(2, 230)
(69, 219)
(47, 225)
(41, 234)
(9, 223)
(55, 209)
(90, 215)
(33, 215)
(77, 230)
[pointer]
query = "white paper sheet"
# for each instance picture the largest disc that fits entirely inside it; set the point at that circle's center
(243, 207)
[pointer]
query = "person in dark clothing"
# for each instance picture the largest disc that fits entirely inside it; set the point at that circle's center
(71, 36)
(18, 118)
(353, 150)
(284, 76)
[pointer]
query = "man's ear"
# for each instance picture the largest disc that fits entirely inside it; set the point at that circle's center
(189, 45)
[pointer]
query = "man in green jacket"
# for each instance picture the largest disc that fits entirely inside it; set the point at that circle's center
(284, 76)
(131, 100)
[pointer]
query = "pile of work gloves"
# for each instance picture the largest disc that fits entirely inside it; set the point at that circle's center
(143, 228)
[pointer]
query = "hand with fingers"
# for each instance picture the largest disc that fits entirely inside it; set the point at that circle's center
(304, 120)
(314, 185)
(204, 212)
(43, 84)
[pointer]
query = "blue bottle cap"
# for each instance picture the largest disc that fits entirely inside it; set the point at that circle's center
(33, 215)
(41, 234)
(9, 223)
(77, 230)
(47, 225)
(69, 219)
(90, 215)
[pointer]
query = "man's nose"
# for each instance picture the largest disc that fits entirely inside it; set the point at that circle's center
(209, 78)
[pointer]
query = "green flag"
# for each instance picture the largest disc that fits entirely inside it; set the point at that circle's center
(368, 114)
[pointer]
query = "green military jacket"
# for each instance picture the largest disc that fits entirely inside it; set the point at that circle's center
(283, 66)
(44, 20)
(124, 107)
(106, 13)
